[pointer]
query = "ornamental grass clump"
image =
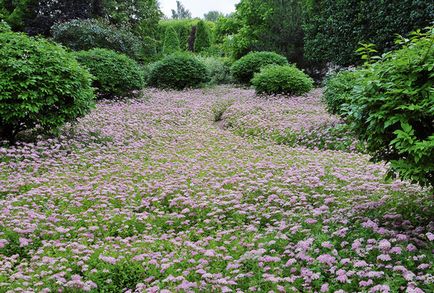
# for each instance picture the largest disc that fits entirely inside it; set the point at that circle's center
(283, 79)
(40, 85)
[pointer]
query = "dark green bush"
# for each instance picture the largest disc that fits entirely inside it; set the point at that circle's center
(89, 34)
(338, 91)
(178, 71)
(333, 29)
(282, 79)
(171, 42)
(244, 69)
(392, 109)
(41, 85)
(115, 74)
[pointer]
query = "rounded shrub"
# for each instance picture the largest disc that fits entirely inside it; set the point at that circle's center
(244, 68)
(40, 85)
(338, 90)
(88, 34)
(178, 71)
(392, 109)
(282, 79)
(114, 74)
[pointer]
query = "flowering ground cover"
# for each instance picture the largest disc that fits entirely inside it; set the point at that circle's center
(153, 195)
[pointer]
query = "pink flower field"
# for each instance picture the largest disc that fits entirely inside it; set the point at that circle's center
(209, 190)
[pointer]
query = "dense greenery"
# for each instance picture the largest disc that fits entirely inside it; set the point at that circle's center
(338, 91)
(392, 108)
(41, 85)
(89, 34)
(4, 27)
(244, 68)
(178, 71)
(171, 41)
(282, 79)
(219, 69)
(115, 74)
(213, 15)
(38, 16)
(203, 37)
(186, 30)
(334, 28)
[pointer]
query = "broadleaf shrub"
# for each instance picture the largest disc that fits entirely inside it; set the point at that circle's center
(115, 74)
(282, 79)
(338, 90)
(89, 34)
(178, 71)
(244, 68)
(392, 108)
(41, 85)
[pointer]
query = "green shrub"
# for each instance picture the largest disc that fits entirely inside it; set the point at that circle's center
(41, 85)
(178, 71)
(392, 109)
(244, 69)
(338, 91)
(333, 29)
(203, 37)
(4, 27)
(171, 42)
(219, 69)
(115, 74)
(282, 79)
(89, 34)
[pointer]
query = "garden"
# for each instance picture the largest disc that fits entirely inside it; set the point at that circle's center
(285, 147)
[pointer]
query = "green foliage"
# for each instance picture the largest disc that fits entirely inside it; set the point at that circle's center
(219, 69)
(282, 79)
(392, 108)
(181, 12)
(178, 71)
(269, 26)
(115, 74)
(38, 16)
(138, 16)
(203, 37)
(4, 27)
(185, 29)
(338, 91)
(41, 85)
(213, 15)
(88, 34)
(171, 42)
(244, 69)
(334, 28)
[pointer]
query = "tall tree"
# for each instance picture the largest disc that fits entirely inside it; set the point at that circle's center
(203, 37)
(181, 12)
(213, 15)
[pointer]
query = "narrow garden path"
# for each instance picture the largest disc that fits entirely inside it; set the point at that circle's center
(152, 193)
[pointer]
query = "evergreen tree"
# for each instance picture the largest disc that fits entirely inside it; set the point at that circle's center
(181, 12)
(171, 41)
(203, 37)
